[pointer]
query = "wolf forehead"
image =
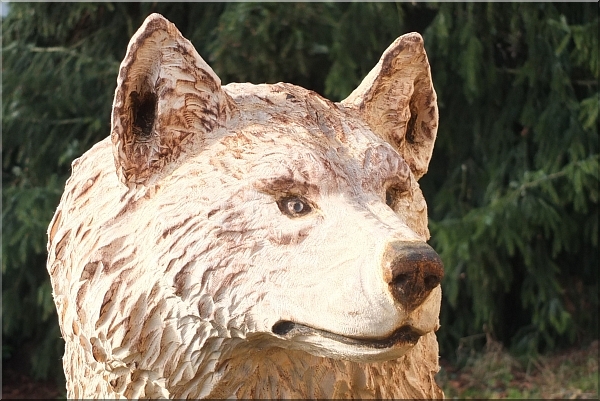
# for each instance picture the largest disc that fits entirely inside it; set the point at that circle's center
(304, 137)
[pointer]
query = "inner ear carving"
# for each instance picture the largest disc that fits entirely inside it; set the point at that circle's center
(143, 109)
(168, 104)
(397, 100)
(410, 125)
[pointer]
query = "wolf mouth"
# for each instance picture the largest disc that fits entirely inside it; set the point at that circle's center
(403, 335)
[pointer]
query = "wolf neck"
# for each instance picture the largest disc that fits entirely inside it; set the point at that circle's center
(278, 373)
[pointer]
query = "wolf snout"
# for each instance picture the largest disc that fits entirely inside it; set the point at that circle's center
(413, 269)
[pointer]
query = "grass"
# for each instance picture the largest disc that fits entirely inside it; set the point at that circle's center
(495, 374)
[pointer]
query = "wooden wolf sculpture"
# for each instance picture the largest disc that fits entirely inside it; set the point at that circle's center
(250, 241)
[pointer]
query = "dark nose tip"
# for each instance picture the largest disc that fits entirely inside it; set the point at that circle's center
(415, 269)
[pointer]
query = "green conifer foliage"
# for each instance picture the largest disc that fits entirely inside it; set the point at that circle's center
(514, 180)
(512, 188)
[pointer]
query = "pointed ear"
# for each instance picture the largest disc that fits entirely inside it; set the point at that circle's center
(399, 103)
(167, 103)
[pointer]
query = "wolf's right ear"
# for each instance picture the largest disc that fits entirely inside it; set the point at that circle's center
(167, 102)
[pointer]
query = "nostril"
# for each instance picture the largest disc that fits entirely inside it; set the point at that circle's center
(431, 282)
(401, 279)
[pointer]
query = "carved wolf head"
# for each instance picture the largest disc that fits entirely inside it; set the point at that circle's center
(250, 240)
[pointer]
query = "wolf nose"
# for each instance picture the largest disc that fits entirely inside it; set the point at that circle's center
(415, 269)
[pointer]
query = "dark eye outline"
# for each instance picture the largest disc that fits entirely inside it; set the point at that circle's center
(392, 194)
(287, 203)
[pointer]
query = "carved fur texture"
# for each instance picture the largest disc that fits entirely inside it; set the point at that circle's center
(250, 241)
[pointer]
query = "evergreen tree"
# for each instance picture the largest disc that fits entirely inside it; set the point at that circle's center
(513, 184)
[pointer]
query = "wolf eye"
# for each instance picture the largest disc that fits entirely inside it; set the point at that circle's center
(392, 194)
(294, 206)
(389, 198)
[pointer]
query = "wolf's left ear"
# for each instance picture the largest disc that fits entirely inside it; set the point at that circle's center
(167, 104)
(399, 103)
